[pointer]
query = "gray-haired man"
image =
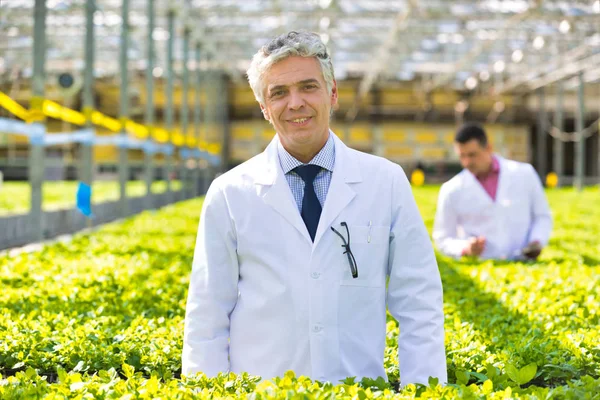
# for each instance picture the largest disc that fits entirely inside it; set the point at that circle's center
(295, 246)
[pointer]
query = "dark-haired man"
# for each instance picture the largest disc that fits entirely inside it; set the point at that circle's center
(494, 208)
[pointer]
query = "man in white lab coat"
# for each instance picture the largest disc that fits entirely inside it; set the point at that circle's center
(494, 208)
(295, 246)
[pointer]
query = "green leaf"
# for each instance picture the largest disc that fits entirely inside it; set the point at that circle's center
(512, 372)
(491, 371)
(128, 370)
(480, 377)
(30, 373)
(462, 377)
(487, 387)
(523, 375)
(433, 382)
(351, 380)
(527, 373)
(62, 375)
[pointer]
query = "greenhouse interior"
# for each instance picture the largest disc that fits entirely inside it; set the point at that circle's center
(125, 126)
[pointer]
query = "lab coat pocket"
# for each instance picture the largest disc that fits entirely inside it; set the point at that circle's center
(370, 246)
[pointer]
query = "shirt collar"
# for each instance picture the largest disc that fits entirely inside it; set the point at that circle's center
(493, 171)
(325, 158)
(495, 165)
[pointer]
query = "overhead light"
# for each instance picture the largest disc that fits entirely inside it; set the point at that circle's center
(482, 35)
(538, 42)
(325, 4)
(517, 56)
(596, 7)
(461, 106)
(564, 26)
(157, 72)
(471, 83)
(160, 34)
(458, 38)
(499, 106)
(499, 66)
(324, 23)
(484, 76)
(13, 31)
(442, 38)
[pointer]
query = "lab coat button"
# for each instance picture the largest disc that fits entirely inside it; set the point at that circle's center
(317, 328)
(315, 275)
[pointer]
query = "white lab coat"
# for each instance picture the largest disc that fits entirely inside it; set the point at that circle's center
(264, 299)
(519, 215)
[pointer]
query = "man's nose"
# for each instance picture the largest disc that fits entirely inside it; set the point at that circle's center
(296, 100)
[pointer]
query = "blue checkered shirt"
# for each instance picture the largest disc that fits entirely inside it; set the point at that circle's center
(324, 159)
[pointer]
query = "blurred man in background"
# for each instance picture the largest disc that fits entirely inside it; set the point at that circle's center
(494, 208)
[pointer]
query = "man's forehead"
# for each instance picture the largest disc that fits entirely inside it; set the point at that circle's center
(470, 146)
(293, 71)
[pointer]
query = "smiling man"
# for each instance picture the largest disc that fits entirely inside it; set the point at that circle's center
(295, 246)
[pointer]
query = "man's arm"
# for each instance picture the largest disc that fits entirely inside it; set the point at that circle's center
(541, 225)
(414, 294)
(445, 227)
(213, 290)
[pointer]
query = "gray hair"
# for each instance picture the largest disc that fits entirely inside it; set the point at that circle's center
(303, 44)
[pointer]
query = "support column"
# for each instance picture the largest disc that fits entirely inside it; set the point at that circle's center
(170, 111)
(183, 170)
(86, 167)
(149, 114)
(559, 146)
(223, 120)
(541, 144)
(36, 146)
(124, 109)
(580, 145)
(378, 140)
(197, 117)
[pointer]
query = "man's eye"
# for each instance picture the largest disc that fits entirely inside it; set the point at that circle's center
(310, 86)
(277, 93)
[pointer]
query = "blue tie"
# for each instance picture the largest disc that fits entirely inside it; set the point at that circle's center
(311, 207)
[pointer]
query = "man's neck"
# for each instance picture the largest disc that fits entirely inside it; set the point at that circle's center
(305, 155)
(489, 169)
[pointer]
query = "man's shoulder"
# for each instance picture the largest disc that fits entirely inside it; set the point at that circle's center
(456, 183)
(370, 162)
(241, 174)
(516, 166)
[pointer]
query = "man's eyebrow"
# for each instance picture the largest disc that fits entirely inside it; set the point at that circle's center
(277, 87)
(303, 82)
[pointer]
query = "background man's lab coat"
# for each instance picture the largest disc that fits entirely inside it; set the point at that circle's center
(519, 215)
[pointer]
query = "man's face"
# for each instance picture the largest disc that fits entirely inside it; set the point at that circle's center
(297, 103)
(474, 157)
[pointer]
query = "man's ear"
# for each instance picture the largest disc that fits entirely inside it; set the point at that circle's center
(265, 112)
(334, 94)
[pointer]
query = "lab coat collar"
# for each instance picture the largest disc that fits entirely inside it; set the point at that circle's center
(276, 192)
(502, 182)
